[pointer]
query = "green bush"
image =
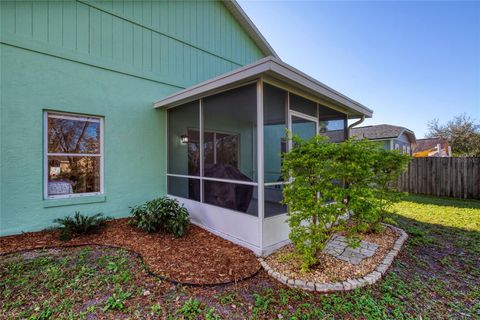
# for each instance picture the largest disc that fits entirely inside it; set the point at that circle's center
(329, 180)
(162, 214)
(80, 224)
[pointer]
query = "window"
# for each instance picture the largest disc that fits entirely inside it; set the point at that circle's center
(74, 155)
(222, 148)
(397, 147)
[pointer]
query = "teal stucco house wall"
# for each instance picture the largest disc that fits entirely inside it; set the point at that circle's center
(104, 62)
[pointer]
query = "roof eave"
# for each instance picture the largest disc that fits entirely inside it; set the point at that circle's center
(271, 66)
(248, 25)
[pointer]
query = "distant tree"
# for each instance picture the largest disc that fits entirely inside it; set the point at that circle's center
(462, 132)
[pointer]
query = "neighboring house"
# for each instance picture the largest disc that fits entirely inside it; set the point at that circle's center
(107, 104)
(390, 137)
(433, 147)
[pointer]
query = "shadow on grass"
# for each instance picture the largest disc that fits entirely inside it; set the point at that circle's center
(440, 237)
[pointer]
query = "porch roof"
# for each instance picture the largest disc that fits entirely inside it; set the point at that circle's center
(269, 68)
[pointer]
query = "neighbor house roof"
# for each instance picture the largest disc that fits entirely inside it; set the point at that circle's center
(431, 143)
(249, 27)
(275, 70)
(381, 131)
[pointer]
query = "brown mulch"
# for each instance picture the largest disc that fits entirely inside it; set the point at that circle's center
(329, 268)
(200, 257)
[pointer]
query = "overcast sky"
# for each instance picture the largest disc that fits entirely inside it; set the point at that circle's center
(410, 62)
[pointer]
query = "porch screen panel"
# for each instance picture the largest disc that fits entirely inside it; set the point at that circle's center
(188, 188)
(273, 196)
(274, 131)
(332, 124)
(303, 105)
(184, 139)
(230, 134)
(233, 196)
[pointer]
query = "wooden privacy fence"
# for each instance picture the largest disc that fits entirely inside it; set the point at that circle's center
(446, 177)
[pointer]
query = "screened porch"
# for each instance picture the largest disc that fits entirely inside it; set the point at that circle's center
(225, 139)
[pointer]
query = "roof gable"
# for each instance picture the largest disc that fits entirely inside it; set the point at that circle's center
(249, 27)
(431, 143)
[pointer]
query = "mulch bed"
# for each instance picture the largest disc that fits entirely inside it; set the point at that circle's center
(329, 268)
(197, 258)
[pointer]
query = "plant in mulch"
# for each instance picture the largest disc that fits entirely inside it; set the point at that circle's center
(162, 214)
(328, 181)
(80, 224)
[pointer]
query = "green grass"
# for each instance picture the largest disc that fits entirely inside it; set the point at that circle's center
(436, 276)
(454, 213)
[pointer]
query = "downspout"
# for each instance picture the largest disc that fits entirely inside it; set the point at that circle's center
(354, 124)
(346, 200)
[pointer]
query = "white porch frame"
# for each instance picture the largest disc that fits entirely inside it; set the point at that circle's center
(260, 234)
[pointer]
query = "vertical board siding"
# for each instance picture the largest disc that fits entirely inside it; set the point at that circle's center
(175, 42)
(442, 177)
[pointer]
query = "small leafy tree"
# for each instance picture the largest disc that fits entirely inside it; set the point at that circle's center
(331, 180)
(462, 132)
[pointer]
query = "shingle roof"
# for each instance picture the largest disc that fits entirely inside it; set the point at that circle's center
(381, 131)
(430, 143)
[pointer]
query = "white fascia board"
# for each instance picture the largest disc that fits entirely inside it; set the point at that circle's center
(316, 86)
(271, 66)
(207, 87)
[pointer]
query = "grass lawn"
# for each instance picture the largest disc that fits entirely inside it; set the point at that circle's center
(436, 276)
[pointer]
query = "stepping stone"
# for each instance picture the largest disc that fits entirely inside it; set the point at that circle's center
(338, 248)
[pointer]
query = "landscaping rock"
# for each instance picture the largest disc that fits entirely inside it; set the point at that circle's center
(338, 248)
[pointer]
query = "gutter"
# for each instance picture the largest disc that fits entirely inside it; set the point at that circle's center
(356, 123)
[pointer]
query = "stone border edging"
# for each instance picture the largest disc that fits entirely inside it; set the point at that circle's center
(349, 284)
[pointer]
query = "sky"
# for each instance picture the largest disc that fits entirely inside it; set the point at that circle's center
(410, 62)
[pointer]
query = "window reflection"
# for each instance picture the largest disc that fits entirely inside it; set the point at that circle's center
(69, 175)
(67, 135)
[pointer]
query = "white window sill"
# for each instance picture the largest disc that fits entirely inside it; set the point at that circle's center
(49, 203)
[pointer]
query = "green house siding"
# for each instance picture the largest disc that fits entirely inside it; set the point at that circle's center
(105, 58)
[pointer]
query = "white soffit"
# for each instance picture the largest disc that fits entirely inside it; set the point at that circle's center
(273, 68)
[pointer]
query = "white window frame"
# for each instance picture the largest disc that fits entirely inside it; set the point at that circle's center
(215, 132)
(77, 117)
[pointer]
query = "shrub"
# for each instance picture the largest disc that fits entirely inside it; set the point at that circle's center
(80, 224)
(329, 180)
(162, 214)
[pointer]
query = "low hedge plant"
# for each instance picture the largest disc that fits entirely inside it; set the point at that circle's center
(80, 224)
(161, 215)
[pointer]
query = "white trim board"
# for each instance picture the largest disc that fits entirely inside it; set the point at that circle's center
(272, 67)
